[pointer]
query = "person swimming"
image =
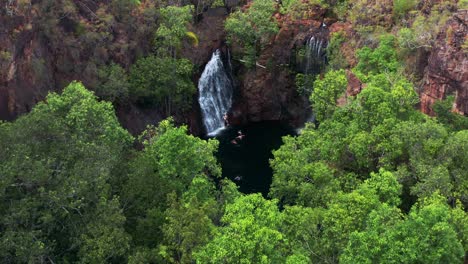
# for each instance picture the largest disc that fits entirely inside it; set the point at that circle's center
(239, 138)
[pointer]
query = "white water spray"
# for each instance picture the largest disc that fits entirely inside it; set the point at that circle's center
(215, 94)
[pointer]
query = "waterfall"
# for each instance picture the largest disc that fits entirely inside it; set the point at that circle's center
(215, 93)
(314, 54)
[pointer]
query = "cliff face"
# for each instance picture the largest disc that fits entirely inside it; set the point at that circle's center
(447, 69)
(45, 45)
(43, 49)
(268, 91)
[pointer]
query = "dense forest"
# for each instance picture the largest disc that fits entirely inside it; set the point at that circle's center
(377, 174)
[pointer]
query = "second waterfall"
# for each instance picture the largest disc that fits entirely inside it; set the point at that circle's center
(215, 88)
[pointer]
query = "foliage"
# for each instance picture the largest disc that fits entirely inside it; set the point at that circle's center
(335, 57)
(122, 9)
(340, 8)
(375, 181)
(443, 110)
(165, 81)
(189, 221)
(5, 56)
(401, 7)
(252, 29)
(113, 83)
(300, 9)
(425, 28)
(249, 234)
(57, 164)
(168, 164)
(370, 13)
(326, 92)
(380, 60)
(304, 84)
(462, 4)
(426, 235)
(193, 37)
(172, 29)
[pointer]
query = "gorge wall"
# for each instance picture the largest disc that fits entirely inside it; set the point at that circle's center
(447, 69)
(268, 91)
(44, 45)
(43, 49)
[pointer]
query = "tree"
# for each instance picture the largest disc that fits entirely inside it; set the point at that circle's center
(122, 9)
(346, 214)
(326, 92)
(105, 238)
(113, 83)
(172, 29)
(453, 157)
(336, 59)
(57, 163)
(454, 121)
(252, 29)
(371, 245)
(298, 182)
(164, 81)
(249, 234)
(189, 221)
(379, 60)
(168, 164)
(302, 230)
(425, 236)
(385, 185)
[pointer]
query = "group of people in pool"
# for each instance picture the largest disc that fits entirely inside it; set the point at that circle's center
(240, 136)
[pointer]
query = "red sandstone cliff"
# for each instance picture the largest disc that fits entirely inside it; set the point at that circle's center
(45, 45)
(447, 69)
(43, 49)
(268, 92)
(34, 62)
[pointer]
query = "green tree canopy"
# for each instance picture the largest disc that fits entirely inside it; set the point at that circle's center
(252, 29)
(168, 164)
(326, 92)
(249, 234)
(57, 165)
(164, 81)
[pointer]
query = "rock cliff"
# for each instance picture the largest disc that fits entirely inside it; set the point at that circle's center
(42, 50)
(44, 45)
(268, 92)
(447, 69)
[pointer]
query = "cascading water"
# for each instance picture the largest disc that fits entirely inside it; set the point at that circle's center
(215, 94)
(315, 56)
(312, 64)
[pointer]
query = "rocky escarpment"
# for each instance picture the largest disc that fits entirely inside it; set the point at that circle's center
(447, 69)
(268, 91)
(44, 45)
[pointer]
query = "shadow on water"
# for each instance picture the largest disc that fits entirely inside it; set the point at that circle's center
(246, 161)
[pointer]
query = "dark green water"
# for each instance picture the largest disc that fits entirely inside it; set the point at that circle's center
(247, 162)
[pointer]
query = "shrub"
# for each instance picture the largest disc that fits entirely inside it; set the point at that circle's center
(252, 29)
(113, 83)
(336, 59)
(401, 7)
(165, 81)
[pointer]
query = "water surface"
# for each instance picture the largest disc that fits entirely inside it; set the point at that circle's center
(246, 161)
